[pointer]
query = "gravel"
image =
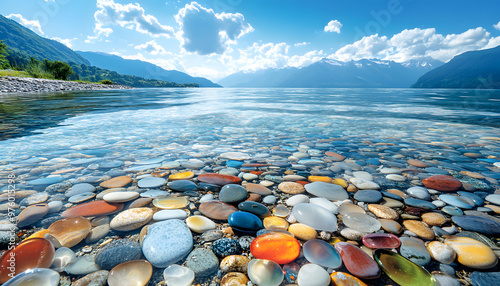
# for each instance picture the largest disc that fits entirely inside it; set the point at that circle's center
(9, 84)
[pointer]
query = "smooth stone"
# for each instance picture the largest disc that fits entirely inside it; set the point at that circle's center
(472, 253)
(326, 190)
(275, 246)
(479, 237)
(363, 175)
(120, 197)
(351, 234)
(453, 211)
(250, 176)
(203, 262)
(151, 182)
(345, 208)
(234, 263)
(116, 252)
(391, 203)
(302, 231)
(170, 202)
(167, 242)
(441, 252)
(395, 177)
(200, 224)
(79, 188)
(206, 198)
(169, 214)
(36, 276)
(130, 273)
(139, 202)
(70, 231)
(217, 210)
(234, 279)
(445, 279)
(245, 222)
(383, 211)
(419, 204)
(443, 183)
(291, 271)
(83, 265)
(439, 203)
(361, 222)
(81, 197)
(434, 219)
(325, 203)
(414, 250)
(154, 194)
(193, 164)
(116, 182)
(368, 196)
(254, 208)
(297, 199)
(479, 224)
(419, 228)
(54, 206)
(176, 275)
(181, 176)
(363, 184)
(211, 235)
(258, 189)
(484, 278)
(345, 279)
(183, 186)
(456, 201)
(32, 214)
(226, 246)
(319, 179)
(93, 209)
(232, 193)
(389, 171)
(493, 198)
(236, 156)
(322, 253)
(274, 222)
(29, 254)
(46, 181)
(131, 219)
(401, 270)
(218, 179)
(98, 278)
(477, 200)
(265, 272)
(357, 261)
(97, 233)
(62, 257)
(313, 275)
(269, 199)
(391, 226)
(315, 216)
(419, 193)
(381, 240)
(291, 188)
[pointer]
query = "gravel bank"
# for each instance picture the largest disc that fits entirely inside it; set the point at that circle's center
(10, 84)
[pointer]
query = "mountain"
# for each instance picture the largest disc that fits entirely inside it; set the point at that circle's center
(20, 38)
(333, 73)
(142, 69)
(475, 69)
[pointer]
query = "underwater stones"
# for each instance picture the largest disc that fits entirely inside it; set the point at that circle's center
(199, 224)
(32, 214)
(357, 261)
(419, 228)
(170, 202)
(120, 197)
(130, 273)
(291, 188)
(70, 231)
(414, 250)
(322, 253)
(420, 204)
(91, 209)
(401, 270)
(391, 226)
(116, 182)
(131, 219)
(419, 193)
(479, 224)
(363, 184)
(218, 179)
(151, 182)
(326, 190)
(441, 252)
(232, 193)
(176, 275)
(181, 176)
(217, 210)
(457, 201)
(381, 240)
(265, 272)
(183, 186)
(258, 189)
(417, 163)
(167, 242)
(278, 247)
(203, 262)
(82, 265)
(443, 183)
(79, 189)
(313, 275)
(368, 196)
(29, 254)
(315, 216)
(361, 222)
(472, 253)
(383, 211)
(434, 219)
(117, 252)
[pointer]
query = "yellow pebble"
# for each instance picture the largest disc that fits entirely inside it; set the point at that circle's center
(319, 179)
(302, 231)
(38, 234)
(181, 176)
(341, 182)
(274, 222)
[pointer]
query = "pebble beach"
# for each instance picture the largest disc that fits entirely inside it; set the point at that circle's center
(240, 197)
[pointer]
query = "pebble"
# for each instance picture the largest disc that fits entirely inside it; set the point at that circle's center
(457, 201)
(441, 252)
(69, 232)
(32, 214)
(363, 184)
(325, 190)
(322, 253)
(381, 240)
(83, 265)
(315, 216)
(419, 228)
(218, 179)
(130, 273)
(245, 222)
(291, 188)
(98, 278)
(401, 270)
(234, 263)
(414, 250)
(484, 278)
(170, 202)
(434, 219)
(117, 252)
(37, 276)
(325, 203)
(476, 223)
(361, 222)
(345, 279)
(383, 212)
(442, 183)
(345, 208)
(176, 275)
(357, 261)
(265, 272)
(278, 247)
(297, 199)
(200, 224)
(217, 210)
(93, 209)
(116, 182)
(181, 175)
(120, 197)
(203, 262)
(419, 193)
(151, 182)
(169, 214)
(313, 275)
(232, 193)
(226, 246)
(472, 253)
(131, 219)
(368, 196)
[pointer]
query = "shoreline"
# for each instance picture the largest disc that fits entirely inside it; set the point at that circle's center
(10, 84)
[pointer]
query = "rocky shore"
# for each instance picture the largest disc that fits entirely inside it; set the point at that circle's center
(10, 84)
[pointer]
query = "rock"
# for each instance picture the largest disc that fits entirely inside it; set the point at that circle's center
(203, 262)
(170, 202)
(361, 222)
(79, 189)
(417, 163)
(226, 246)
(183, 186)
(401, 270)
(419, 193)
(233, 279)
(275, 222)
(313, 275)
(217, 210)
(131, 219)
(69, 232)
(218, 179)
(357, 261)
(391, 226)
(32, 214)
(169, 214)
(245, 222)
(97, 233)
(62, 257)
(479, 224)
(232, 193)
(181, 176)
(254, 208)
(37, 276)
(136, 272)
(297, 199)
(381, 240)
(83, 265)
(151, 182)
(435, 219)
(345, 279)
(178, 275)
(120, 197)
(93, 209)
(383, 211)
(325, 203)
(302, 231)
(459, 202)
(98, 278)
(200, 224)
(315, 216)
(167, 242)
(117, 182)
(265, 272)
(472, 253)
(117, 252)
(322, 253)
(234, 263)
(419, 204)
(484, 278)
(275, 246)
(325, 190)
(363, 184)
(441, 252)
(493, 198)
(258, 189)
(269, 199)
(348, 207)
(324, 179)
(443, 183)
(414, 250)
(368, 196)
(291, 188)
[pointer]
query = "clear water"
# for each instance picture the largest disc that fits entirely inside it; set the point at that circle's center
(180, 122)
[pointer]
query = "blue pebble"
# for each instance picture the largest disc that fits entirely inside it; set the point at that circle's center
(226, 246)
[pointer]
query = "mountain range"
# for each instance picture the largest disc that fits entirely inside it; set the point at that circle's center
(333, 73)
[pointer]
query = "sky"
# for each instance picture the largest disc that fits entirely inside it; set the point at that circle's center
(216, 38)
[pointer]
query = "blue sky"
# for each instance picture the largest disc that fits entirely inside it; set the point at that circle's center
(219, 37)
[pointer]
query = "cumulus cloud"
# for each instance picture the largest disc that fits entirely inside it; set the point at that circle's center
(302, 44)
(497, 26)
(333, 26)
(130, 16)
(66, 42)
(151, 47)
(368, 47)
(33, 25)
(205, 32)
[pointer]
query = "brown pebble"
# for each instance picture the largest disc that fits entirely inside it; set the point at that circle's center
(419, 228)
(291, 188)
(140, 202)
(397, 193)
(351, 188)
(434, 219)
(234, 279)
(417, 163)
(254, 197)
(383, 211)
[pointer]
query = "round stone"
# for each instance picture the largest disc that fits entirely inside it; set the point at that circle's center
(297, 199)
(93, 209)
(232, 193)
(322, 253)
(200, 224)
(130, 273)
(181, 176)
(265, 272)
(79, 188)
(441, 252)
(419, 193)
(116, 182)
(178, 275)
(383, 211)
(69, 232)
(434, 219)
(345, 279)
(151, 182)
(169, 214)
(274, 222)
(218, 179)
(183, 186)
(357, 261)
(234, 279)
(292, 188)
(479, 224)
(254, 207)
(368, 196)
(234, 263)
(391, 226)
(32, 214)
(203, 262)
(326, 190)
(313, 275)
(472, 253)
(120, 197)
(419, 228)
(361, 222)
(37, 276)
(275, 246)
(131, 219)
(170, 202)
(226, 246)
(245, 222)
(315, 216)
(217, 210)
(117, 252)
(381, 240)
(414, 250)
(442, 183)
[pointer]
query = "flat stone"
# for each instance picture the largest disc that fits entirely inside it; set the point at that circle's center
(232, 193)
(79, 188)
(258, 189)
(32, 214)
(322, 253)
(297, 199)
(181, 176)
(136, 272)
(234, 263)
(419, 204)
(183, 186)
(357, 261)
(69, 232)
(479, 224)
(217, 210)
(117, 252)
(116, 182)
(381, 240)
(92, 209)
(170, 202)
(401, 270)
(313, 275)
(37, 276)
(302, 231)
(383, 211)
(414, 250)
(350, 208)
(457, 201)
(120, 197)
(441, 252)
(83, 265)
(255, 208)
(200, 224)
(361, 222)
(81, 197)
(368, 196)
(419, 193)
(169, 214)
(218, 179)
(178, 275)
(434, 219)
(391, 226)
(203, 262)
(315, 216)
(327, 204)
(363, 184)
(493, 198)
(419, 228)
(151, 182)
(472, 253)
(325, 190)
(245, 222)
(265, 272)
(292, 188)
(344, 279)
(417, 163)
(131, 219)
(236, 156)
(443, 183)
(484, 278)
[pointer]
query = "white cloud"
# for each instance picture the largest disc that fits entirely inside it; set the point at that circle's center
(333, 26)
(306, 59)
(205, 32)
(497, 25)
(151, 47)
(33, 25)
(66, 42)
(368, 47)
(302, 44)
(130, 16)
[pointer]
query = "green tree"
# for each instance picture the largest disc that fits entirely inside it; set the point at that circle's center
(4, 63)
(59, 69)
